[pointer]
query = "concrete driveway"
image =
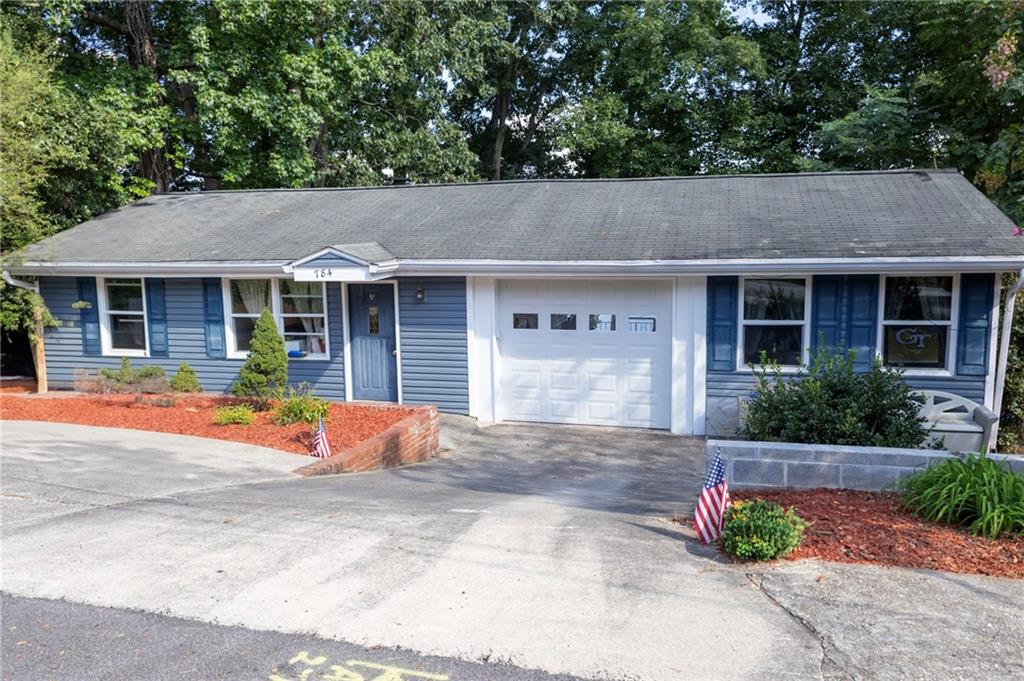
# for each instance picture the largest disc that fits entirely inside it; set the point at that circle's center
(542, 546)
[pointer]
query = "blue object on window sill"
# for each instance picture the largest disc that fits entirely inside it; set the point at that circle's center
(296, 353)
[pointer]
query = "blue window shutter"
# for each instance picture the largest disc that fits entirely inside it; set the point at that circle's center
(89, 316)
(723, 295)
(976, 292)
(213, 318)
(156, 314)
(862, 319)
(827, 311)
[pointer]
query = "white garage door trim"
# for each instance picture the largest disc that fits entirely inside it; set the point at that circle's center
(688, 373)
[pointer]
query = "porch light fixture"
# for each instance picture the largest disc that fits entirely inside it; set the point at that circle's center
(421, 294)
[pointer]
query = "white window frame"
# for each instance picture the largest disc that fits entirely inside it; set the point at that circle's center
(952, 324)
(275, 309)
(106, 335)
(805, 323)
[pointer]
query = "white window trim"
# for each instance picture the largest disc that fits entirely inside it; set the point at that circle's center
(951, 341)
(275, 309)
(805, 350)
(106, 337)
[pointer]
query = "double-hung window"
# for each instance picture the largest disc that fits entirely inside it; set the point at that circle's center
(917, 322)
(124, 317)
(774, 320)
(299, 308)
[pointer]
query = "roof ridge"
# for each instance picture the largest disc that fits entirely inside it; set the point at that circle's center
(566, 180)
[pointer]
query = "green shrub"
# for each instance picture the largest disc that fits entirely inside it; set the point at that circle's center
(301, 406)
(265, 372)
(976, 492)
(186, 380)
(761, 530)
(239, 414)
(828, 403)
(148, 379)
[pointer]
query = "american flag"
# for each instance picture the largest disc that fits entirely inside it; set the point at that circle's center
(321, 448)
(714, 500)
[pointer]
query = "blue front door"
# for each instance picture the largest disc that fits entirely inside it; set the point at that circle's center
(371, 313)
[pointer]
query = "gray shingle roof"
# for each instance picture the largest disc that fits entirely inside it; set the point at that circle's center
(813, 215)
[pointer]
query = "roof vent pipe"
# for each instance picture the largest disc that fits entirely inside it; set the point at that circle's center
(1004, 351)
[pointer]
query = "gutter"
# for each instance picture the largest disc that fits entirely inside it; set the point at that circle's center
(1004, 352)
(20, 283)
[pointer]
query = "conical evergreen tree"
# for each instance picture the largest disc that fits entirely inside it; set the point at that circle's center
(265, 373)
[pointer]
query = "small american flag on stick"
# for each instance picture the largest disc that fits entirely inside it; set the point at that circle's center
(709, 518)
(321, 448)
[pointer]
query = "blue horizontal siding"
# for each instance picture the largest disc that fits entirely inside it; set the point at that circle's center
(435, 367)
(734, 384)
(186, 341)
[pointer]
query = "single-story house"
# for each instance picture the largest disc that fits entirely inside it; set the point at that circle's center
(626, 302)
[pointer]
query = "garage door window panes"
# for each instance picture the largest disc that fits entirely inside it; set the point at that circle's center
(602, 322)
(774, 320)
(918, 316)
(563, 322)
(642, 324)
(524, 320)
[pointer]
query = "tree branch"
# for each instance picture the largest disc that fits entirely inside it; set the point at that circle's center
(100, 20)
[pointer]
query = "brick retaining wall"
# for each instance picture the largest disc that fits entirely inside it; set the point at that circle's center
(415, 438)
(784, 464)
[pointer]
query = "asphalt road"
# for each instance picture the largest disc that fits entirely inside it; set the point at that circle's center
(45, 640)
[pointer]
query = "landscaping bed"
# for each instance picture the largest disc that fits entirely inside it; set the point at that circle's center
(348, 424)
(872, 527)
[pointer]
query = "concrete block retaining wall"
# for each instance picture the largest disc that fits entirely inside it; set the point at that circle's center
(783, 464)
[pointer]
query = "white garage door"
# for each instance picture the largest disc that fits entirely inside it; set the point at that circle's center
(590, 352)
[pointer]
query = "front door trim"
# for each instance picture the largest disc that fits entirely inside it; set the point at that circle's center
(347, 350)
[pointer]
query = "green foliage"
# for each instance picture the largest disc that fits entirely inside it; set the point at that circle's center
(265, 373)
(828, 403)
(977, 492)
(301, 406)
(239, 414)
(186, 380)
(148, 379)
(761, 530)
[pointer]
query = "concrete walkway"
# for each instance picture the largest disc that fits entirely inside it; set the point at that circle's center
(542, 546)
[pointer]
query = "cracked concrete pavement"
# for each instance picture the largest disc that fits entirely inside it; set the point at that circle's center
(546, 547)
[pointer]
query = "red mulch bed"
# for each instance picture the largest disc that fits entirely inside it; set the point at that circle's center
(872, 527)
(347, 424)
(18, 385)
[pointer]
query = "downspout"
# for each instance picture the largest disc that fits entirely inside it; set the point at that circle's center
(19, 283)
(1004, 352)
(38, 349)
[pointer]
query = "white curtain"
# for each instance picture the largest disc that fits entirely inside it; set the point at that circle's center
(254, 293)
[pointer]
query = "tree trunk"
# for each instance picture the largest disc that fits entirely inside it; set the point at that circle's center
(138, 30)
(37, 340)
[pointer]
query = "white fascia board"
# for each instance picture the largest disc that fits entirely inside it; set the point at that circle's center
(530, 268)
(153, 269)
(709, 267)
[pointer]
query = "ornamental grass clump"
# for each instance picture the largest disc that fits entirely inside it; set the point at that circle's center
(829, 403)
(976, 492)
(265, 372)
(301, 406)
(234, 415)
(761, 530)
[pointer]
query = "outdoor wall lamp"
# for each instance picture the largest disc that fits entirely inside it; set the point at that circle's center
(421, 294)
